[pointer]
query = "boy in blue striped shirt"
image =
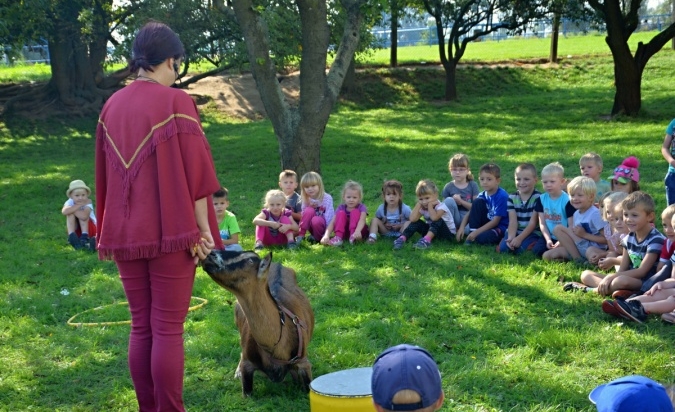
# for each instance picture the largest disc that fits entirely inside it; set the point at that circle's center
(522, 233)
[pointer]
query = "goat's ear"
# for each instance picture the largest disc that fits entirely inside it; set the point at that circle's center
(264, 266)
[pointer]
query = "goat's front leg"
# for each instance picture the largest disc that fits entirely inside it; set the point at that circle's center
(245, 372)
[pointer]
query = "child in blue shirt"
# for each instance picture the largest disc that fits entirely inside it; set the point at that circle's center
(587, 226)
(488, 218)
(553, 207)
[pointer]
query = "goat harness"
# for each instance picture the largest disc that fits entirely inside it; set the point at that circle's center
(299, 324)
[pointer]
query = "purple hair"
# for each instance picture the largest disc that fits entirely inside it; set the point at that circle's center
(154, 43)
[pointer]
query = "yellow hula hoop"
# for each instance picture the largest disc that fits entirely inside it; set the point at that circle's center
(71, 322)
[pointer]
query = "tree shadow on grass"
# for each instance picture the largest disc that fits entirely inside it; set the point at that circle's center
(369, 318)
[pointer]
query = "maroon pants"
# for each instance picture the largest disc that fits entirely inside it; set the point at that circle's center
(346, 222)
(316, 225)
(158, 291)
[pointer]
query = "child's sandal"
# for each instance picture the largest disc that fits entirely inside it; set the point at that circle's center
(668, 318)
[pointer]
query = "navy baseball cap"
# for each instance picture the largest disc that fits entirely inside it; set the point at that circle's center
(405, 367)
(633, 393)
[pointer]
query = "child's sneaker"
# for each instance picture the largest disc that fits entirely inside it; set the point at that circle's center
(574, 286)
(335, 241)
(422, 244)
(92, 244)
(74, 241)
(311, 239)
(371, 240)
(624, 294)
(258, 245)
(84, 240)
(398, 243)
(292, 245)
(609, 308)
(631, 309)
(298, 239)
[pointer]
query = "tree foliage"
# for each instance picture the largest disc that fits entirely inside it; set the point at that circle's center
(621, 18)
(459, 22)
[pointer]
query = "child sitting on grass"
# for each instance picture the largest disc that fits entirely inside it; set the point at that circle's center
(586, 228)
(553, 207)
(437, 223)
(488, 218)
(80, 217)
(392, 216)
(349, 221)
(274, 225)
(227, 221)
(317, 208)
(642, 248)
(288, 182)
(590, 165)
(614, 231)
(462, 190)
(522, 233)
(659, 298)
(626, 177)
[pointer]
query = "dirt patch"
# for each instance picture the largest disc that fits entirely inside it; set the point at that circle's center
(238, 96)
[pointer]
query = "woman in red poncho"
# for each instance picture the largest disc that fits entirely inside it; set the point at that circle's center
(154, 178)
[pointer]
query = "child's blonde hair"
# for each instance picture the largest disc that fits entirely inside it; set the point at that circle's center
(553, 168)
(274, 194)
(311, 179)
(668, 213)
(639, 198)
(610, 201)
(591, 157)
(460, 160)
(352, 185)
(426, 187)
(586, 184)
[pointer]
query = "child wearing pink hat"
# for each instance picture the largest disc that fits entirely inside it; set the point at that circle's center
(626, 176)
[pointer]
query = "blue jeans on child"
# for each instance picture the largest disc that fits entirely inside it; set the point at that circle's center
(477, 218)
(662, 274)
(669, 181)
(533, 242)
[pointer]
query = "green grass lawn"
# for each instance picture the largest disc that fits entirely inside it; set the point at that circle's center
(572, 46)
(505, 335)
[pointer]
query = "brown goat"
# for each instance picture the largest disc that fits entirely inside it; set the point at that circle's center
(273, 315)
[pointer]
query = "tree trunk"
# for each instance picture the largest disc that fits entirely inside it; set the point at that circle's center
(451, 80)
(393, 51)
(553, 57)
(299, 130)
(627, 79)
(349, 85)
(627, 76)
(77, 69)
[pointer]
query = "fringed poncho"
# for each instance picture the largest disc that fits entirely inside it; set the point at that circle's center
(152, 163)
